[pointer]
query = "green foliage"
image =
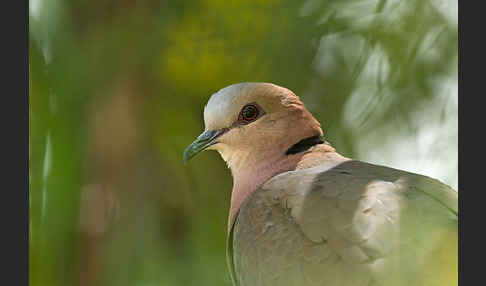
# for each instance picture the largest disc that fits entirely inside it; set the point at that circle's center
(117, 90)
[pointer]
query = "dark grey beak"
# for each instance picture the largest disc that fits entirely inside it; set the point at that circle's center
(206, 139)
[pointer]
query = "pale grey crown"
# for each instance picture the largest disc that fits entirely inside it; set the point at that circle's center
(224, 106)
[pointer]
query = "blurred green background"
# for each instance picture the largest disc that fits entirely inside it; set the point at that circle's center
(117, 90)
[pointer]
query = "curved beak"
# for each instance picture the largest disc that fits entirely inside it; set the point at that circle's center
(206, 139)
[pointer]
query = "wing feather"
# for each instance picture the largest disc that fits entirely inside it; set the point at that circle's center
(354, 224)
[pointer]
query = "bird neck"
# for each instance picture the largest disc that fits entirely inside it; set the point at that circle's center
(249, 175)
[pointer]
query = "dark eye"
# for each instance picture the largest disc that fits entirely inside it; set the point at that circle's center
(248, 113)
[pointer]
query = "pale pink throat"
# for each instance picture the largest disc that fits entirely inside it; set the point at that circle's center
(247, 180)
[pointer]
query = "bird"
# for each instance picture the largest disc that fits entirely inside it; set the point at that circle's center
(301, 214)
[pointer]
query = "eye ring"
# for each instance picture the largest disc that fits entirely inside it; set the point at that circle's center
(248, 113)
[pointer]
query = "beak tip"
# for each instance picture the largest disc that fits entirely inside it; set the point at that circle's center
(206, 139)
(186, 157)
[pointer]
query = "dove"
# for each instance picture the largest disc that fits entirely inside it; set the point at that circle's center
(301, 214)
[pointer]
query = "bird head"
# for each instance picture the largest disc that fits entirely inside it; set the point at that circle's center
(248, 122)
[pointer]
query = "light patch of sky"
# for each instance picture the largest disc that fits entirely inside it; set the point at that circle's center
(448, 8)
(433, 149)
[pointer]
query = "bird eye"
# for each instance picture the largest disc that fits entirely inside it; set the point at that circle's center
(248, 113)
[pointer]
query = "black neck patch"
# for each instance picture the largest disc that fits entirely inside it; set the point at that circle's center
(305, 144)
